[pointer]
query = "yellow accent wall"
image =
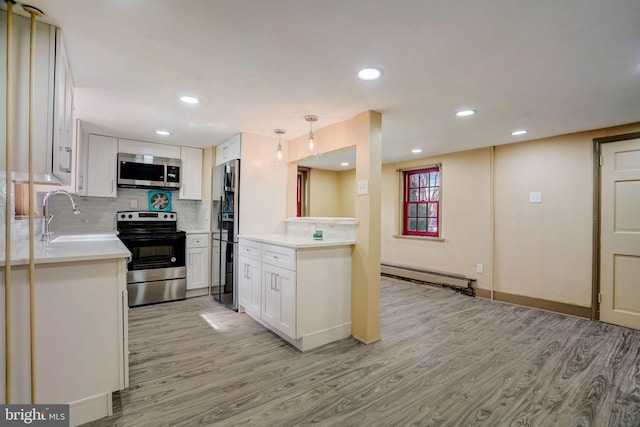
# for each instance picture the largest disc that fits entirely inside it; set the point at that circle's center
(540, 250)
(332, 193)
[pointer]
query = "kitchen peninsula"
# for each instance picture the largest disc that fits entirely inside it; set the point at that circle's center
(299, 286)
(80, 323)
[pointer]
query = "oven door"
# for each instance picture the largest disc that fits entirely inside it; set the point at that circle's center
(152, 251)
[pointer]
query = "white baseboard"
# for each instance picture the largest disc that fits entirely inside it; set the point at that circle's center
(90, 409)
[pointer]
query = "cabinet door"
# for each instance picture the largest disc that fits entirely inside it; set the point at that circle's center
(249, 284)
(197, 268)
(149, 148)
(19, 94)
(63, 141)
(102, 152)
(279, 299)
(286, 288)
(191, 179)
(228, 150)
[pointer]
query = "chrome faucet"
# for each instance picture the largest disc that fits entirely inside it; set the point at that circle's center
(46, 221)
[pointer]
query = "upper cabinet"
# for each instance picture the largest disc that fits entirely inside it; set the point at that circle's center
(191, 178)
(228, 150)
(63, 138)
(44, 52)
(97, 165)
(149, 148)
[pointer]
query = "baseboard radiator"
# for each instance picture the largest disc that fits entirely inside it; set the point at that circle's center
(455, 282)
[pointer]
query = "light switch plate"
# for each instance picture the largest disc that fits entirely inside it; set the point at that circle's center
(535, 197)
(363, 187)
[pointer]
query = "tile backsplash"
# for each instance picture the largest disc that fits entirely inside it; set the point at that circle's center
(98, 214)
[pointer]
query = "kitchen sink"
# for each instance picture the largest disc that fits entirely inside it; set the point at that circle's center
(70, 238)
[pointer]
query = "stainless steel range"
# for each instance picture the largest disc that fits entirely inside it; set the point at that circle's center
(156, 272)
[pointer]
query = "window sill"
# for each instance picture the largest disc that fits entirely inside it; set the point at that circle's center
(431, 239)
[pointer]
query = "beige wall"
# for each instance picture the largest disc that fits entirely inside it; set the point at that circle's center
(348, 191)
(465, 214)
(543, 250)
(263, 186)
(540, 250)
(324, 193)
(332, 193)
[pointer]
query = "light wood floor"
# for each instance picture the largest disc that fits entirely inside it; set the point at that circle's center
(444, 360)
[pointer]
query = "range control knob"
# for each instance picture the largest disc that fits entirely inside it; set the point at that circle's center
(130, 216)
(166, 216)
(122, 216)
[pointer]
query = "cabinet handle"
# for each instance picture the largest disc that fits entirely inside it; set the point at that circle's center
(81, 183)
(276, 283)
(275, 257)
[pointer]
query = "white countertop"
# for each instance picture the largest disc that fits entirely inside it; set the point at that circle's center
(323, 220)
(50, 252)
(297, 241)
(197, 231)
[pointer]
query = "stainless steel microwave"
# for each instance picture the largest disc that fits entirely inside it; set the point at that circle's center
(146, 171)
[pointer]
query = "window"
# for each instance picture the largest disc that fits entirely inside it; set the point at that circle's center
(421, 202)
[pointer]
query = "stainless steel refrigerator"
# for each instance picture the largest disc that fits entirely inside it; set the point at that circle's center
(226, 195)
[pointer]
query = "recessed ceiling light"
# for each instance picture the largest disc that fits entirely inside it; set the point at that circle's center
(370, 74)
(518, 132)
(465, 113)
(163, 132)
(189, 99)
(416, 150)
(344, 164)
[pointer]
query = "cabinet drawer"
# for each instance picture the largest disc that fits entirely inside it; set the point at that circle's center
(280, 256)
(197, 241)
(249, 248)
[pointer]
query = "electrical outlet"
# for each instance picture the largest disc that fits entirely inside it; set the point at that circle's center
(133, 203)
(480, 268)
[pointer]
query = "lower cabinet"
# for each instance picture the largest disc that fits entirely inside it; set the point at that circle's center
(250, 284)
(303, 295)
(81, 335)
(279, 299)
(197, 261)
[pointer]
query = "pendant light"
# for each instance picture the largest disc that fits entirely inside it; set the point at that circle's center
(311, 118)
(279, 159)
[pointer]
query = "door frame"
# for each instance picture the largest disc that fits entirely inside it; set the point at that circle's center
(597, 183)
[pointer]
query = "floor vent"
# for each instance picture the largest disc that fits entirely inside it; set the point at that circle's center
(456, 282)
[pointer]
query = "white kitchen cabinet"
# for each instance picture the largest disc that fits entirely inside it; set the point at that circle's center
(81, 335)
(249, 277)
(229, 150)
(191, 171)
(149, 148)
(306, 291)
(63, 138)
(279, 298)
(197, 261)
(98, 166)
(45, 43)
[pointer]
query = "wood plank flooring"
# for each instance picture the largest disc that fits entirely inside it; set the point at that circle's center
(444, 359)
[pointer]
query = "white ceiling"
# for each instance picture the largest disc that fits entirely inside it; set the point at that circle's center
(549, 66)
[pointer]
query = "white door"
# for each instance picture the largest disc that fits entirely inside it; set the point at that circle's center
(620, 233)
